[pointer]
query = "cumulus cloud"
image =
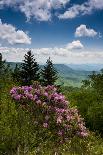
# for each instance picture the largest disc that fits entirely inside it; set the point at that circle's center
(42, 9)
(75, 45)
(58, 55)
(71, 12)
(83, 31)
(17, 54)
(13, 36)
(38, 9)
(83, 9)
(59, 3)
(96, 4)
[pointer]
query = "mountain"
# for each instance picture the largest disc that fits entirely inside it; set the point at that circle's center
(67, 75)
(86, 67)
(70, 77)
(13, 64)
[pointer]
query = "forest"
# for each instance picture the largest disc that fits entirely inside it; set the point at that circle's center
(39, 116)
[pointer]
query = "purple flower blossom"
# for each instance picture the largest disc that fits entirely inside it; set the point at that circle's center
(38, 102)
(59, 119)
(50, 106)
(17, 97)
(46, 94)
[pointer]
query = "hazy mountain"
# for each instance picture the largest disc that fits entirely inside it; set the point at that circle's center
(87, 67)
(67, 75)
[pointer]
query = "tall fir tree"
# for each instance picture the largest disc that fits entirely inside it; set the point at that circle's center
(2, 65)
(5, 72)
(48, 74)
(29, 69)
(16, 73)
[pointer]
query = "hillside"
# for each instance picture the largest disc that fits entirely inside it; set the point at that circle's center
(86, 67)
(67, 75)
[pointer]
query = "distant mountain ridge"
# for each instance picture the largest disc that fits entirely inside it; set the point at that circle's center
(67, 75)
(70, 67)
(86, 67)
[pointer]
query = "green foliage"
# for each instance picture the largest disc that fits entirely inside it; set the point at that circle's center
(90, 106)
(18, 135)
(48, 74)
(29, 69)
(2, 65)
(95, 82)
(16, 131)
(16, 74)
(89, 100)
(5, 72)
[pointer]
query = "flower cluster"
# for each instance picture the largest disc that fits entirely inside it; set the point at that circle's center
(50, 111)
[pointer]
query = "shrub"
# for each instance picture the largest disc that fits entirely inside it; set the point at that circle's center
(55, 123)
(90, 107)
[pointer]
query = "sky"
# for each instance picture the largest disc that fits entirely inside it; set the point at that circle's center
(68, 31)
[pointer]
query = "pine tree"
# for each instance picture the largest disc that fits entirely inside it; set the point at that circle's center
(5, 72)
(48, 74)
(29, 69)
(16, 73)
(2, 65)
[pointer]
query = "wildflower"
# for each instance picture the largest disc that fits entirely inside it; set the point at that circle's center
(17, 97)
(46, 94)
(38, 101)
(49, 105)
(59, 119)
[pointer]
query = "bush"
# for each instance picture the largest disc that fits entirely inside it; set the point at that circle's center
(55, 123)
(90, 107)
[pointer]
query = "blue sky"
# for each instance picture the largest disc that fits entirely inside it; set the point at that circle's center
(69, 31)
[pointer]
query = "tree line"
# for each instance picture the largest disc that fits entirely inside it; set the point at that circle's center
(30, 71)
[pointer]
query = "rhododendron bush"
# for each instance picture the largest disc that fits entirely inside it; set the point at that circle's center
(50, 113)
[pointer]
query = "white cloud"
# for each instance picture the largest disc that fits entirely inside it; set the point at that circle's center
(96, 4)
(38, 9)
(83, 31)
(42, 9)
(59, 3)
(58, 55)
(12, 36)
(70, 13)
(85, 8)
(74, 11)
(75, 45)
(17, 54)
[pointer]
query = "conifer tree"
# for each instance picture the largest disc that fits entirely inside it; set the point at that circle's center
(48, 73)
(5, 72)
(29, 69)
(2, 65)
(16, 73)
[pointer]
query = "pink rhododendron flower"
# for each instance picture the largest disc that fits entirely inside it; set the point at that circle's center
(47, 106)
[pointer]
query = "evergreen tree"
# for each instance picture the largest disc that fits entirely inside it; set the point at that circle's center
(48, 74)
(29, 69)
(16, 73)
(2, 65)
(95, 82)
(5, 72)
